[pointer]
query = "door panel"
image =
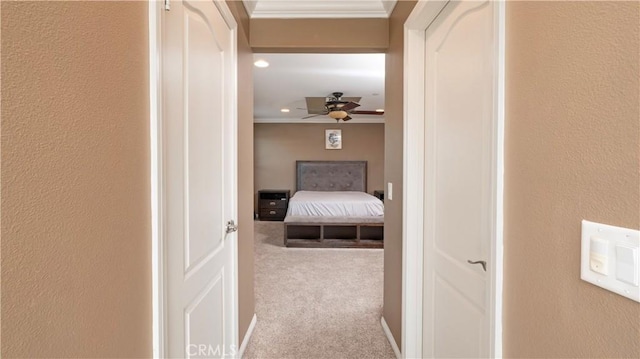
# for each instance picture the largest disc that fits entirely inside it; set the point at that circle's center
(199, 170)
(459, 334)
(459, 114)
(203, 123)
(202, 317)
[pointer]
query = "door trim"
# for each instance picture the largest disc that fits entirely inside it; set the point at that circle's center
(424, 13)
(157, 195)
(157, 198)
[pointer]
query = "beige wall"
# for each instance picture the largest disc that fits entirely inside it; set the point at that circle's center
(76, 231)
(572, 150)
(246, 299)
(319, 35)
(278, 146)
(393, 157)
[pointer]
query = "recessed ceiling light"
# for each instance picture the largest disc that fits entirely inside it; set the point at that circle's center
(380, 110)
(284, 110)
(261, 63)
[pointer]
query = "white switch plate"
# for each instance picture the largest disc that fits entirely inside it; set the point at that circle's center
(602, 243)
(389, 193)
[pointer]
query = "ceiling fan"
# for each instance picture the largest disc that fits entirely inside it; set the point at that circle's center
(336, 106)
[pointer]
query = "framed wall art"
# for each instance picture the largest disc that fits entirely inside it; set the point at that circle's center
(333, 139)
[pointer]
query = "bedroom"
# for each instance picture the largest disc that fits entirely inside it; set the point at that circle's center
(292, 133)
(293, 124)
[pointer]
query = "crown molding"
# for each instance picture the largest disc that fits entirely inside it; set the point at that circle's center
(314, 9)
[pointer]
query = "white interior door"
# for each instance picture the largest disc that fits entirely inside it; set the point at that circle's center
(199, 167)
(459, 180)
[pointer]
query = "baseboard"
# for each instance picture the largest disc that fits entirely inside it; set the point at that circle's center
(247, 336)
(390, 338)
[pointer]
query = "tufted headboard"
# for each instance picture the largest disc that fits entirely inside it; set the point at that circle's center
(331, 176)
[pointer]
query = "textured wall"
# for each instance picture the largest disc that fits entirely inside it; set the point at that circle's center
(278, 146)
(246, 300)
(572, 149)
(76, 234)
(319, 35)
(393, 168)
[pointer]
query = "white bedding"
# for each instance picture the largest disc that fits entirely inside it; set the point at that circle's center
(334, 204)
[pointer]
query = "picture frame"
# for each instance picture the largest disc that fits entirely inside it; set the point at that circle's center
(333, 139)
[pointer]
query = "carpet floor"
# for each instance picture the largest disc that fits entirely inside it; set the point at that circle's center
(316, 303)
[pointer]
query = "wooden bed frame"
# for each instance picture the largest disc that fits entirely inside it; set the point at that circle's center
(333, 232)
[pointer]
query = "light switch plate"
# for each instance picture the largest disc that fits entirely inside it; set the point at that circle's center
(389, 194)
(609, 258)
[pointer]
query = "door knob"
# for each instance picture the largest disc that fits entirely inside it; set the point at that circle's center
(483, 263)
(231, 226)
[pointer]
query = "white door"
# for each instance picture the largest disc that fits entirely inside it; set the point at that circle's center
(459, 180)
(199, 166)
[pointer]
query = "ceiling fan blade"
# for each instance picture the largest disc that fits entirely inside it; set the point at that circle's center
(315, 105)
(351, 99)
(365, 112)
(317, 111)
(349, 106)
(346, 118)
(319, 114)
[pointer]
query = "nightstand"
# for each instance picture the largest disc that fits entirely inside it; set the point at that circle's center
(272, 204)
(379, 194)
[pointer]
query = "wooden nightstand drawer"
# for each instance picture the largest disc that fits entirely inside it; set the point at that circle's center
(273, 203)
(276, 214)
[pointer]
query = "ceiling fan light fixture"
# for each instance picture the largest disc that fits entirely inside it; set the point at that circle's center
(337, 115)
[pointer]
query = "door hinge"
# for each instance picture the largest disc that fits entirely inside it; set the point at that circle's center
(167, 5)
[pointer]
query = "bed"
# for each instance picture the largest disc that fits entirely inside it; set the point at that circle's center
(331, 208)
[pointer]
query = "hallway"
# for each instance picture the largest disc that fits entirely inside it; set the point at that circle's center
(316, 303)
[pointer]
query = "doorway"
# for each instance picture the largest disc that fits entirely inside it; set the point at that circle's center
(315, 301)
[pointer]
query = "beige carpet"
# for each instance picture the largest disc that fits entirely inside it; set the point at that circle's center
(316, 303)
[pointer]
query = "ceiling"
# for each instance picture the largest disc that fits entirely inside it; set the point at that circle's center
(290, 78)
(282, 9)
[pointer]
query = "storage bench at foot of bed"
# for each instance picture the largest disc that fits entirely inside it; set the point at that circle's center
(324, 232)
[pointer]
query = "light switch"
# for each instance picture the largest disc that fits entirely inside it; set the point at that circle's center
(389, 193)
(627, 264)
(598, 255)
